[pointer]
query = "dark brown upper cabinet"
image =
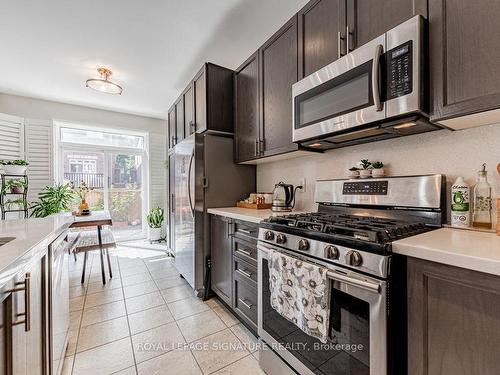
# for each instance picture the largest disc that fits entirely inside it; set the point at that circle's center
(188, 97)
(172, 130)
(205, 105)
(367, 19)
(246, 111)
(464, 57)
(321, 25)
(278, 72)
(179, 118)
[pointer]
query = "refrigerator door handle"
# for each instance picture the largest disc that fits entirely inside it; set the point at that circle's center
(189, 184)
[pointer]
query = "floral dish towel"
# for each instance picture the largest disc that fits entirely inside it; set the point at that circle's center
(300, 292)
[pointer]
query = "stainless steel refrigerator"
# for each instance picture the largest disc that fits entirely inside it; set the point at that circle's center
(203, 175)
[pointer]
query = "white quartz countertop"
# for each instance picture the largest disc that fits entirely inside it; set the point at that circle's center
(247, 214)
(478, 251)
(28, 234)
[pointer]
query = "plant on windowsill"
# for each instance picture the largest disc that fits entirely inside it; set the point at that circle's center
(52, 200)
(14, 186)
(155, 221)
(365, 171)
(378, 169)
(14, 167)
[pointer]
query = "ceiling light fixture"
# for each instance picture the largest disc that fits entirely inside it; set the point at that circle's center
(103, 84)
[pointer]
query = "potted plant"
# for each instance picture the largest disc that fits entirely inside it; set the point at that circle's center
(15, 186)
(14, 167)
(155, 222)
(378, 169)
(82, 192)
(353, 172)
(53, 199)
(365, 171)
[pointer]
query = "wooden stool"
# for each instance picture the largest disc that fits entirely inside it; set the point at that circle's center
(88, 241)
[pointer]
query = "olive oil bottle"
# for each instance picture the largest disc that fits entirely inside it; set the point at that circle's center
(482, 201)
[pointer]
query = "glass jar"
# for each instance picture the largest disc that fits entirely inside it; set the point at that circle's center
(482, 201)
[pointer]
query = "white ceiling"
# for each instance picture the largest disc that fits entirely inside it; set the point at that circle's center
(154, 47)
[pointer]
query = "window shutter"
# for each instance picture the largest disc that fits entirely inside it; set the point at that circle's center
(11, 137)
(39, 153)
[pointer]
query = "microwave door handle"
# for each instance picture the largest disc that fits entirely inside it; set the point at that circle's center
(376, 77)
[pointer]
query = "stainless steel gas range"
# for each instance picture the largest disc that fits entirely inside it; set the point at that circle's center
(350, 235)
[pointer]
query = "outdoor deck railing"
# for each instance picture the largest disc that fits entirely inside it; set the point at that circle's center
(93, 180)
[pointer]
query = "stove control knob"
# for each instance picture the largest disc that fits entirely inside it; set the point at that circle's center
(280, 238)
(353, 258)
(331, 252)
(269, 236)
(303, 244)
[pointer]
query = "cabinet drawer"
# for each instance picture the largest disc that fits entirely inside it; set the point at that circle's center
(246, 270)
(246, 230)
(245, 250)
(245, 301)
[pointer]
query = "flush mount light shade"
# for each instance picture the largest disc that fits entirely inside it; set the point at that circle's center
(103, 84)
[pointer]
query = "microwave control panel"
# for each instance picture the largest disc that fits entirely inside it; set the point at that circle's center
(365, 188)
(399, 70)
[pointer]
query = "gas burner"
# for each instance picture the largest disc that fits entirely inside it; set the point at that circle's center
(363, 228)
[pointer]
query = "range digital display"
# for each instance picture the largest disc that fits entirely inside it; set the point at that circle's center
(365, 188)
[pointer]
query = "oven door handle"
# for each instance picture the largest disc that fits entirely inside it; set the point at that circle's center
(376, 77)
(363, 284)
(336, 276)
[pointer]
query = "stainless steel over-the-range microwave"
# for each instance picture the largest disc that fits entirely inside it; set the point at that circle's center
(375, 92)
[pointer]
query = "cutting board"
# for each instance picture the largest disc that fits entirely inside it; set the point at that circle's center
(254, 206)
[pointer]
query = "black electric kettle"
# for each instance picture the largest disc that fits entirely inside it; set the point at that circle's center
(284, 197)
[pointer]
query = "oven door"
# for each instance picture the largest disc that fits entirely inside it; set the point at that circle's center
(340, 96)
(358, 326)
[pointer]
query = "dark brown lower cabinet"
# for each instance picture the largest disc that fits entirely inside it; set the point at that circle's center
(221, 257)
(453, 320)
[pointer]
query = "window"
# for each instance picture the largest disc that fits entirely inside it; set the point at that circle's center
(101, 138)
(82, 166)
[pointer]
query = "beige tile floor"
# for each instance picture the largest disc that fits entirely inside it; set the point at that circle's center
(146, 320)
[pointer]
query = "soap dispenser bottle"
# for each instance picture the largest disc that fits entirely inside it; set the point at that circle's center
(482, 201)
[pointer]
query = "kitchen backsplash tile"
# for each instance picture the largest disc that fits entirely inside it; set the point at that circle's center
(459, 153)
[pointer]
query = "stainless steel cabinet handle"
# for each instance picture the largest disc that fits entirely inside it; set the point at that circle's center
(248, 253)
(172, 204)
(261, 147)
(340, 38)
(27, 302)
(348, 35)
(245, 303)
(256, 152)
(244, 231)
(375, 77)
(245, 272)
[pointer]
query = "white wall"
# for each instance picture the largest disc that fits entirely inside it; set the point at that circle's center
(450, 153)
(38, 109)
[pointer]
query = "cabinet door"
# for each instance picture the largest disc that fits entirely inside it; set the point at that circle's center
(200, 101)
(221, 258)
(189, 126)
(453, 320)
(464, 57)
(179, 119)
(172, 130)
(28, 343)
(320, 23)
(278, 59)
(368, 19)
(246, 83)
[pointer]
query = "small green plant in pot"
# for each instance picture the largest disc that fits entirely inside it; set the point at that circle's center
(14, 167)
(365, 171)
(14, 186)
(155, 221)
(378, 169)
(353, 172)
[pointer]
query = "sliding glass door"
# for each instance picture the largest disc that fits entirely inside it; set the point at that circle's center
(117, 183)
